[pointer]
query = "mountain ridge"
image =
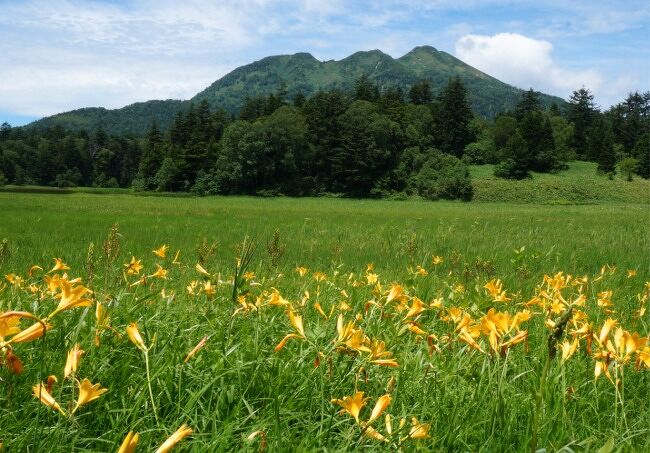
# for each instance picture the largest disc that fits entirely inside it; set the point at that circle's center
(304, 73)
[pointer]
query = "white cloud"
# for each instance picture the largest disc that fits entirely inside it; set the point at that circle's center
(524, 62)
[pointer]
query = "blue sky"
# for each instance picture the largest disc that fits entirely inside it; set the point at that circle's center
(58, 55)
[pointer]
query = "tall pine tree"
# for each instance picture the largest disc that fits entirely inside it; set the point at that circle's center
(453, 117)
(600, 146)
(581, 112)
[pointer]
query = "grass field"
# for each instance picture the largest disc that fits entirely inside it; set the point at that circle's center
(473, 377)
(580, 184)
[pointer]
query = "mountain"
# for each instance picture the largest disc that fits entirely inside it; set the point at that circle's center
(301, 72)
(133, 119)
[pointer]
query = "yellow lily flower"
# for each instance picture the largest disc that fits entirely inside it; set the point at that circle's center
(134, 266)
(568, 348)
(351, 404)
(296, 322)
(33, 332)
(302, 271)
(380, 406)
(371, 432)
(419, 430)
(71, 297)
(175, 438)
(604, 331)
(208, 289)
(417, 307)
(129, 443)
(72, 362)
(59, 265)
(135, 337)
(396, 293)
(201, 270)
(9, 326)
(161, 251)
(88, 392)
(160, 272)
(40, 392)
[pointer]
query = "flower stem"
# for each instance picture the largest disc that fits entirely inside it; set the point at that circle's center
(153, 404)
(539, 399)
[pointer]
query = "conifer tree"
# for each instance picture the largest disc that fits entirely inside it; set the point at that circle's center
(581, 112)
(529, 103)
(642, 153)
(420, 93)
(600, 146)
(453, 117)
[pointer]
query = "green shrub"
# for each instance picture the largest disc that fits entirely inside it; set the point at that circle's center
(444, 176)
(206, 184)
(517, 162)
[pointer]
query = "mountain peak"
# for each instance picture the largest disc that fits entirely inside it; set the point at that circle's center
(303, 56)
(303, 73)
(423, 49)
(367, 53)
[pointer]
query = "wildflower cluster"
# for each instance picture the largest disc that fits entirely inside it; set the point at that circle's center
(355, 328)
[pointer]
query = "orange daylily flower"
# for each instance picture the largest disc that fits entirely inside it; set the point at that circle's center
(134, 266)
(161, 251)
(129, 443)
(419, 430)
(70, 297)
(351, 404)
(175, 438)
(33, 332)
(88, 392)
(380, 406)
(72, 362)
(134, 335)
(40, 392)
(59, 265)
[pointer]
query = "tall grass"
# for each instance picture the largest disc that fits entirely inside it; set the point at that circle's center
(238, 384)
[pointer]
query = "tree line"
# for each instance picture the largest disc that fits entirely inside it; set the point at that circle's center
(368, 142)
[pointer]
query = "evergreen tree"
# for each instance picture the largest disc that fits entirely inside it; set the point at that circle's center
(517, 160)
(365, 89)
(600, 146)
(420, 93)
(503, 128)
(391, 100)
(642, 153)
(581, 112)
(529, 103)
(299, 100)
(630, 119)
(323, 112)
(5, 131)
(152, 157)
(366, 154)
(285, 161)
(253, 108)
(537, 132)
(453, 117)
(554, 110)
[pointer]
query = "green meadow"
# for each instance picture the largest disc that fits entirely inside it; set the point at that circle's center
(239, 393)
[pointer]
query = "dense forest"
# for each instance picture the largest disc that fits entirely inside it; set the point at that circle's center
(359, 143)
